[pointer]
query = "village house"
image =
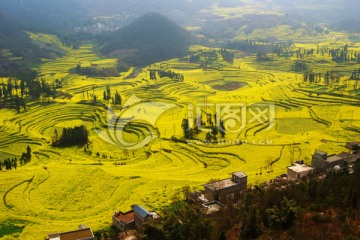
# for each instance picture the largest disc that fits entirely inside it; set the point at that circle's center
(83, 233)
(322, 162)
(227, 188)
(298, 170)
(124, 221)
(133, 219)
(142, 215)
(354, 147)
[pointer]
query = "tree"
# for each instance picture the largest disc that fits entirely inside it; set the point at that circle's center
(56, 135)
(222, 236)
(222, 129)
(117, 98)
(5, 92)
(251, 227)
(108, 92)
(208, 137)
(215, 132)
(22, 88)
(28, 152)
(282, 216)
(104, 95)
(186, 128)
(9, 87)
(153, 231)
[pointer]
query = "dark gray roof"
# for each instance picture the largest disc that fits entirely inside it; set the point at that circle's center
(239, 174)
(334, 158)
(321, 152)
(141, 211)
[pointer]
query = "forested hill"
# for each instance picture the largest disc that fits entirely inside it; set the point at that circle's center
(17, 50)
(149, 39)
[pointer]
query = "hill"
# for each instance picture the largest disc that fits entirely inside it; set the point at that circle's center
(18, 51)
(15, 47)
(150, 38)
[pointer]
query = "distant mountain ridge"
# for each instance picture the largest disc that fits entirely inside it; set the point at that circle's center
(51, 16)
(150, 38)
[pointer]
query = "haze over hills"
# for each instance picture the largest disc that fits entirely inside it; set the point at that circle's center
(53, 16)
(149, 39)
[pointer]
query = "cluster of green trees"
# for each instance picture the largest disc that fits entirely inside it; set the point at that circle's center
(94, 71)
(227, 55)
(14, 92)
(251, 46)
(344, 55)
(166, 73)
(10, 164)
(288, 50)
(213, 132)
(263, 57)
(355, 75)
(181, 222)
(300, 66)
(207, 58)
(76, 136)
(269, 212)
(327, 78)
(116, 99)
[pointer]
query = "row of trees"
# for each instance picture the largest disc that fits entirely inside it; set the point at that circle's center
(207, 58)
(12, 163)
(288, 50)
(211, 135)
(14, 92)
(331, 77)
(166, 73)
(116, 99)
(94, 71)
(328, 77)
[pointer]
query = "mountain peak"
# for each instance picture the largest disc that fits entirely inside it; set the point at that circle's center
(150, 38)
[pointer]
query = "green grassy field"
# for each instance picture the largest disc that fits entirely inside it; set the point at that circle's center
(62, 188)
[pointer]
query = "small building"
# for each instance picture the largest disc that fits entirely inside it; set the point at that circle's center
(322, 162)
(353, 146)
(227, 188)
(350, 158)
(298, 170)
(124, 221)
(142, 215)
(83, 233)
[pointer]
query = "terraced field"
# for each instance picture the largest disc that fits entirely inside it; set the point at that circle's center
(62, 188)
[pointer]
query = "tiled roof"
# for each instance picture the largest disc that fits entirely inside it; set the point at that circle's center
(126, 217)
